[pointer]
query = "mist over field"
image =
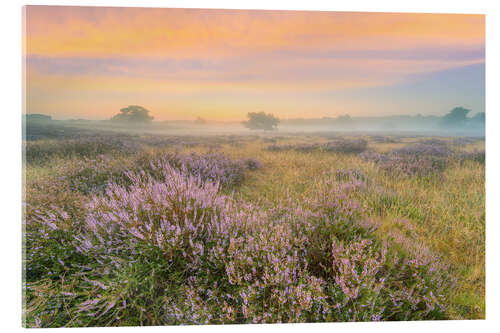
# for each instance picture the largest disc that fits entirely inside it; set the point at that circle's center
(417, 125)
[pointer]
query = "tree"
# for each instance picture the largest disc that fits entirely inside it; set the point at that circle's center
(133, 114)
(455, 118)
(479, 117)
(37, 117)
(261, 120)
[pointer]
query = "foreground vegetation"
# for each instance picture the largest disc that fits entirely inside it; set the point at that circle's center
(153, 230)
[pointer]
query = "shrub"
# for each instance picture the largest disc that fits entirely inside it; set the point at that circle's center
(90, 147)
(413, 160)
(421, 149)
(347, 146)
(383, 139)
(301, 147)
(339, 146)
(434, 142)
(476, 155)
(210, 167)
(252, 163)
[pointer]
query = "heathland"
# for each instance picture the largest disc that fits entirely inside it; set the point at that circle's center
(143, 229)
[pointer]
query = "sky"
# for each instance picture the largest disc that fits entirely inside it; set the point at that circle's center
(88, 62)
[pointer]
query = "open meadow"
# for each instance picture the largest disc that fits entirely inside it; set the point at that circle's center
(141, 229)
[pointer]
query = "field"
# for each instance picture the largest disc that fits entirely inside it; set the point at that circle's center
(139, 229)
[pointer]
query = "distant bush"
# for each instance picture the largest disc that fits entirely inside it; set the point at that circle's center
(261, 121)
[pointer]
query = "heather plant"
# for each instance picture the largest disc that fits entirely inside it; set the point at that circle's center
(383, 139)
(359, 272)
(475, 155)
(413, 160)
(93, 175)
(462, 141)
(301, 147)
(181, 216)
(44, 151)
(410, 165)
(340, 146)
(269, 140)
(424, 149)
(352, 179)
(252, 163)
(211, 166)
(433, 142)
(348, 146)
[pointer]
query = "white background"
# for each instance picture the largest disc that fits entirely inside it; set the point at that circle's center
(10, 156)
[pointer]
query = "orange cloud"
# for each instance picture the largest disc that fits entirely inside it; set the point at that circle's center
(129, 32)
(220, 64)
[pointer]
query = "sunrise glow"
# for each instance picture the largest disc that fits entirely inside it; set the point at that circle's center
(88, 62)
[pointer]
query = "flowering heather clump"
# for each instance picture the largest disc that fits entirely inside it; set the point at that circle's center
(346, 175)
(179, 221)
(301, 147)
(160, 141)
(433, 142)
(212, 166)
(374, 157)
(410, 165)
(418, 159)
(476, 155)
(351, 179)
(360, 273)
(93, 175)
(383, 139)
(252, 163)
(465, 141)
(347, 146)
(41, 152)
(339, 146)
(269, 140)
(421, 149)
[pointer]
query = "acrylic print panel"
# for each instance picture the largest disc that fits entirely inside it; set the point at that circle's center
(199, 166)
